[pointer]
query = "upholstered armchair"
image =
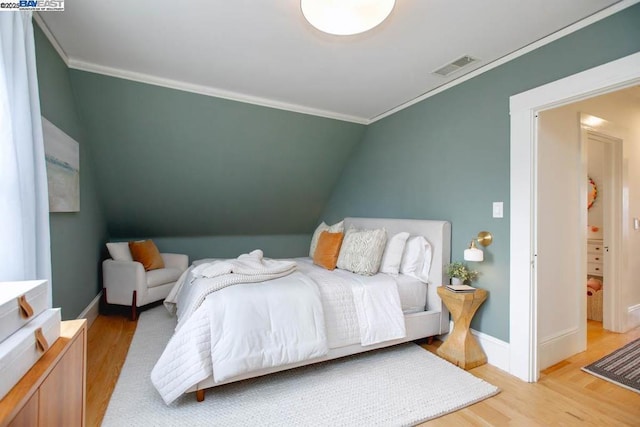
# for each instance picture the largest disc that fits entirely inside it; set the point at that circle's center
(125, 282)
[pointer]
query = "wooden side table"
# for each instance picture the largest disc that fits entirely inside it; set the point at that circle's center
(461, 347)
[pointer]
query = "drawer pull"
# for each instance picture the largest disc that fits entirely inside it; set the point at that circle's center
(41, 341)
(597, 259)
(26, 311)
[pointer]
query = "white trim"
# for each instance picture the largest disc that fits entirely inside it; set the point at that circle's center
(560, 346)
(210, 91)
(264, 102)
(633, 316)
(92, 310)
(513, 55)
(524, 108)
(522, 286)
(52, 39)
(497, 351)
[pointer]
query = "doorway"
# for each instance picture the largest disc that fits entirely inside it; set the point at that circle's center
(525, 107)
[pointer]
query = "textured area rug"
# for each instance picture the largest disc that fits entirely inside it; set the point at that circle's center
(401, 385)
(621, 367)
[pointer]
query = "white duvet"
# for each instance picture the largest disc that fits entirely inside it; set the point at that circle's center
(251, 326)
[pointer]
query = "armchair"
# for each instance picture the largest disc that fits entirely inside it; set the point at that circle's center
(127, 283)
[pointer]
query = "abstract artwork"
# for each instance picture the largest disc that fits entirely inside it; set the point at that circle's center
(63, 169)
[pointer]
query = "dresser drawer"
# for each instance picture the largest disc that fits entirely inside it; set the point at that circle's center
(20, 303)
(594, 268)
(595, 258)
(21, 351)
(594, 248)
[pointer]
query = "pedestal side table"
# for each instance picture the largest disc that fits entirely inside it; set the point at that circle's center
(461, 347)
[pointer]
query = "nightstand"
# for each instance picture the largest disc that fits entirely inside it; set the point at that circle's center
(461, 347)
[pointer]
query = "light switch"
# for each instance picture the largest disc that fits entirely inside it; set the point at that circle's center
(497, 210)
(636, 224)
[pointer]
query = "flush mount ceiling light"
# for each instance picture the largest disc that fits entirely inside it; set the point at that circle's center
(346, 17)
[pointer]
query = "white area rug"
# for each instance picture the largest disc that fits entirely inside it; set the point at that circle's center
(401, 385)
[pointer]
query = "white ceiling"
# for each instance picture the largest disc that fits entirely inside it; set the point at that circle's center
(264, 52)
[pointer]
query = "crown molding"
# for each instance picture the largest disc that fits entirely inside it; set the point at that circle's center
(265, 102)
(210, 91)
(520, 52)
(52, 39)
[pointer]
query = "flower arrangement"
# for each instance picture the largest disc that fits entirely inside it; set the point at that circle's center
(461, 271)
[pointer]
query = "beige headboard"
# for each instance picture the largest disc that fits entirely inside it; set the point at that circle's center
(437, 233)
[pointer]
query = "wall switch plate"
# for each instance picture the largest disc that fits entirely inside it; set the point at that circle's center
(636, 224)
(498, 210)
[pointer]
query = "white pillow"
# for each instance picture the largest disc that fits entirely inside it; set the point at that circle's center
(119, 251)
(361, 251)
(335, 228)
(393, 254)
(416, 259)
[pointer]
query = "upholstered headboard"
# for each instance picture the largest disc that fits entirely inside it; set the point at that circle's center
(437, 233)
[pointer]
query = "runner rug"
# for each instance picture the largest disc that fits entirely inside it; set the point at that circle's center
(621, 367)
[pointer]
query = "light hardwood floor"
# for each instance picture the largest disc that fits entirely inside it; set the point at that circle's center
(564, 396)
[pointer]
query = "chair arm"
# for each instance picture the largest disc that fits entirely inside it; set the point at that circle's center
(178, 261)
(121, 278)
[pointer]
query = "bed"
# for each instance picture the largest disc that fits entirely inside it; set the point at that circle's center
(185, 361)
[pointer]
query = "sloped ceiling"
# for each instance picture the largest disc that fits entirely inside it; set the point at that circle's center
(172, 163)
(265, 52)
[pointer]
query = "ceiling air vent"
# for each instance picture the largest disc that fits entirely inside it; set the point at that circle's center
(455, 66)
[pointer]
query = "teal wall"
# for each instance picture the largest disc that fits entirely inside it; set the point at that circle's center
(273, 246)
(174, 163)
(447, 157)
(77, 237)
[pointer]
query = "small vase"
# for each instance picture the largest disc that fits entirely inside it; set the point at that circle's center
(456, 281)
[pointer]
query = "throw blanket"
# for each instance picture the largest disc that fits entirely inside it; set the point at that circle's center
(211, 277)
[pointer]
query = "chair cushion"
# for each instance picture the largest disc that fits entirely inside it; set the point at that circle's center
(146, 253)
(162, 276)
(119, 251)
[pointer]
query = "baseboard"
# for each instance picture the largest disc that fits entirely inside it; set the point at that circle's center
(497, 351)
(633, 316)
(91, 311)
(558, 347)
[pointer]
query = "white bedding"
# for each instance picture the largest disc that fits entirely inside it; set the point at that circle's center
(247, 327)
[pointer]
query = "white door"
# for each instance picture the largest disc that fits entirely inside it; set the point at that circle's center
(561, 237)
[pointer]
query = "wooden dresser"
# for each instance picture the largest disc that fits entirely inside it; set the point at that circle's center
(52, 392)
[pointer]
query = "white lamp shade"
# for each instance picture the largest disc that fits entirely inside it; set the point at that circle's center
(346, 17)
(473, 254)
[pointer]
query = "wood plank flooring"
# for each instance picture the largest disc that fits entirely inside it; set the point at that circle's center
(564, 396)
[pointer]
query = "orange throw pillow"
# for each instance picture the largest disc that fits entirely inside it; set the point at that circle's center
(146, 253)
(328, 249)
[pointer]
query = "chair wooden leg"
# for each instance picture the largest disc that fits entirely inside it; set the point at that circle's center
(200, 395)
(134, 301)
(430, 340)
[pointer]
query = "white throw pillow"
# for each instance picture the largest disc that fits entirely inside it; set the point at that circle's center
(335, 228)
(119, 251)
(393, 253)
(361, 251)
(416, 259)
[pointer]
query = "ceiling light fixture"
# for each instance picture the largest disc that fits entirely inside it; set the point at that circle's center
(346, 17)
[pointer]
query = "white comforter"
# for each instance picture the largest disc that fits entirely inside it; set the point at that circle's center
(247, 327)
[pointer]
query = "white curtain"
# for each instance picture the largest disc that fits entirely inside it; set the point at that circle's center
(25, 252)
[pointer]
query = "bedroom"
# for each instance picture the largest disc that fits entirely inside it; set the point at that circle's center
(126, 185)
